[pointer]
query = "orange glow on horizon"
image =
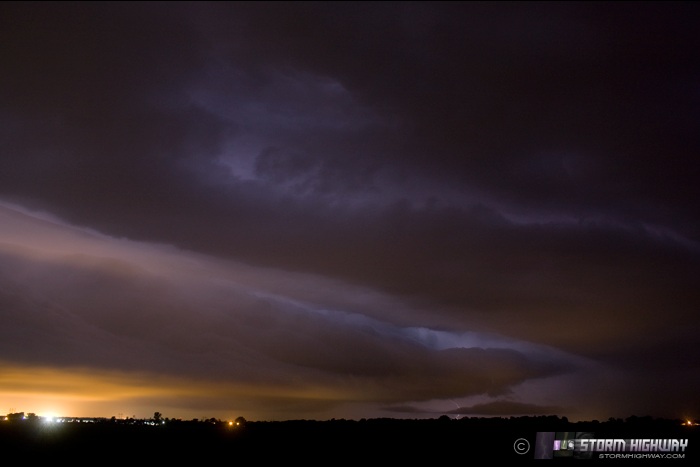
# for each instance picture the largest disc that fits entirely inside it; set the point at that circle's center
(83, 392)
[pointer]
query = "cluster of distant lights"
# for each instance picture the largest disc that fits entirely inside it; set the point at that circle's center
(52, 419)
(47, 419)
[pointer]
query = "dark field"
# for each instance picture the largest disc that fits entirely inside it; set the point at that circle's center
(317, 442)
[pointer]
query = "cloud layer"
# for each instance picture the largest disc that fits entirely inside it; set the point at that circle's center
(381, 205)
(77, 300)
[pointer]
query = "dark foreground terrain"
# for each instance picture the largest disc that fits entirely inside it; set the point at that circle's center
(318, 442)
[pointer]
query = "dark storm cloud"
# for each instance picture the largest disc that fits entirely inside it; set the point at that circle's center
(551, 104)
(77, 299)
(522, 169)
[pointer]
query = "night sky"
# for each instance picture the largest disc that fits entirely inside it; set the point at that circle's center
(346, 210)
